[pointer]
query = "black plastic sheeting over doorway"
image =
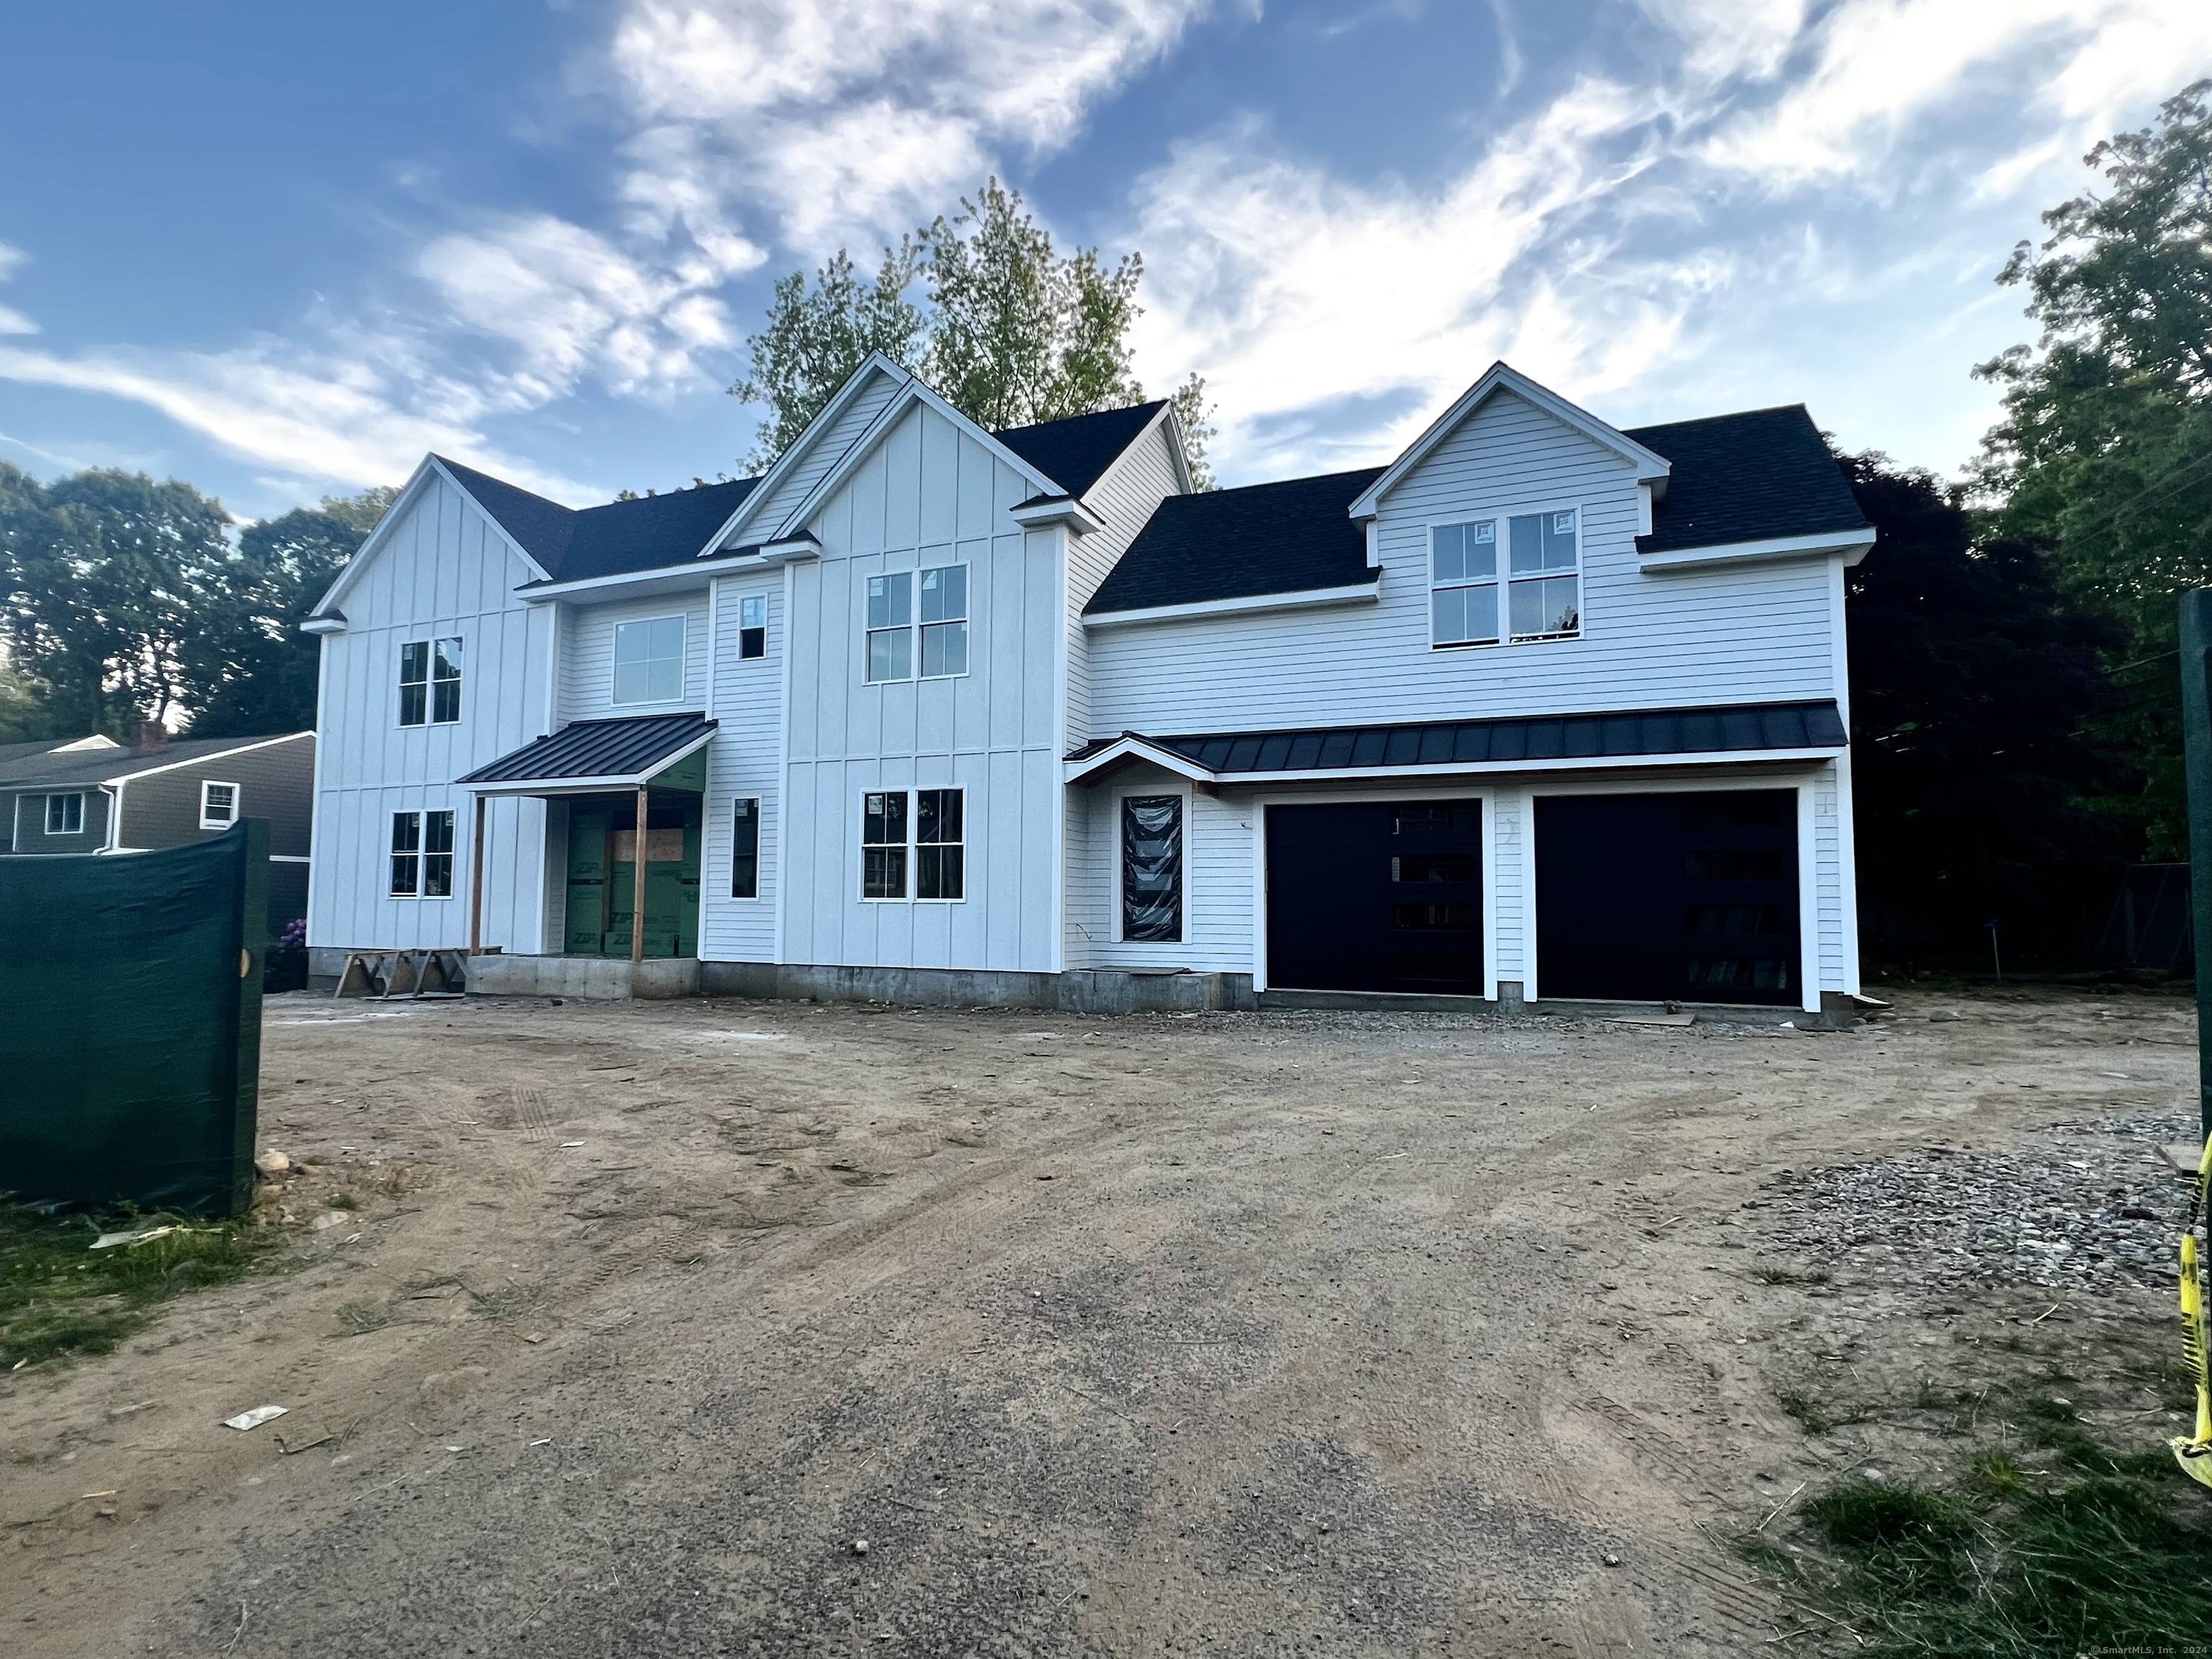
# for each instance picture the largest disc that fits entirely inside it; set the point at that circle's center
(131, 1045)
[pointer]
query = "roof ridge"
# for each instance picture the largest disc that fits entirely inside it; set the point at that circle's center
(1732, 415)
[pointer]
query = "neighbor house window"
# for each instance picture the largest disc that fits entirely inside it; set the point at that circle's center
(66, 815)
(1544, 591)
(884, 845)
(1463, 583)
(649, 660)
(421, 855)
(939, 855)
(892, 649)
(752, 627)
(430, 682)
(1151, 868)
(890, 627)
(744, 850)
(218, 806)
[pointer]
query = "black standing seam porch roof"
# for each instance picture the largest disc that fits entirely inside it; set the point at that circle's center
(635, 747)
(1743, 727)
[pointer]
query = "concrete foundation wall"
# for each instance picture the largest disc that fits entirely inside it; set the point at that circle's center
(590, 978)
(1090, 992)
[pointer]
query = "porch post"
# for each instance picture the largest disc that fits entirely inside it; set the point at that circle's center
(637, 884)
(476, 885)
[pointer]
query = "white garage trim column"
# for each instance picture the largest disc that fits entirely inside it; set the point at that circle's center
(1808, 899)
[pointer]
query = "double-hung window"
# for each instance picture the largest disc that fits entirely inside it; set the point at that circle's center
(924, 831)
(752, 627)
(66, 815)
(1541, 579)
(430, 682)
(891, 650)
(218, 806)
(649, 660)
(423, 854)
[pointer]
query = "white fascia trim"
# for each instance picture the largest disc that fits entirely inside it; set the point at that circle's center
(1851, 544)
(789, 461)
(791, 549)
(1310, 599)
(1470, 768)
(330, 625)
(426, 470)
(590, 786)
(669, 578)
(1138, 749)
(1651, 467)
(1064, 509)
(207, 759)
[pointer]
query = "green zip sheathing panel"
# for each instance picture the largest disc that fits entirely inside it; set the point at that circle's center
(131, 1024)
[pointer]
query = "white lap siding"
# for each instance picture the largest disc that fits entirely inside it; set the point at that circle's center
(587, 656)
(1761, 634)
(745, 760)
(1218, 871)
(443, 572)
(926, 496)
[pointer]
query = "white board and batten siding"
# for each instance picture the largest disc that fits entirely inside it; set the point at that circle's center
(441, 572)
(926, 494)
(1757, 634)
(765, 518)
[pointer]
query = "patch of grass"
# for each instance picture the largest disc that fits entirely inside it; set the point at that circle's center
(1787, 1276)
(344, 1201)
(360, 1318)
(506, 1301)
(2010, 1561)
(59, 1296)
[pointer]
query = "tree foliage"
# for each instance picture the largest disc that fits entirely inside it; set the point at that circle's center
(126, 602)
(2103, 455)
(1011, 331)
(1976, 773)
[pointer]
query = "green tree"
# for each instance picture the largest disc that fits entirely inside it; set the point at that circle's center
(103, 570)
(1012, 331)
(2103, 455)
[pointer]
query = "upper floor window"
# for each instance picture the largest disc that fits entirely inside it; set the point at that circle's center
(218, 806)
(649, 660)
(430, 682)
(752, 627)
(891, 649)
(1541, 579)
(66, 815)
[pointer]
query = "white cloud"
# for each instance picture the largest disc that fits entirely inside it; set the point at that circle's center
(11, 320)
(1630, 245)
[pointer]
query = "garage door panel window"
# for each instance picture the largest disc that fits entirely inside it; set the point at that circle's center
(1431, 867)
(1737, 921)
(1739, 863)
(1440, 967)
(1433, 918)
(1445, 818)
(1739, 972)
(1151, 869)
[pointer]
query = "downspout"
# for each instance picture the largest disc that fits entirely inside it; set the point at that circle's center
(114, 793)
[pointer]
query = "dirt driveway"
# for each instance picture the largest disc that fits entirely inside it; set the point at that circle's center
(1229, 1333)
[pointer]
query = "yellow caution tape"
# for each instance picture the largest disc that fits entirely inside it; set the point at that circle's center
(2194, 1451)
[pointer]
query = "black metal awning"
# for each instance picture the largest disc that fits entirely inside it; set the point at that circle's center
(588, 755)
(1773, 729)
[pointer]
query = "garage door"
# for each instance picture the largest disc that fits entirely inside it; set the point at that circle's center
(1687, 897)
(1376, 896)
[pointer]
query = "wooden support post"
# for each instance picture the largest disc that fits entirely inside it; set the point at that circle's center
(637, 884)
(475, 884)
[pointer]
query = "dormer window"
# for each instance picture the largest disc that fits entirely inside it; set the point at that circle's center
(1541, 578)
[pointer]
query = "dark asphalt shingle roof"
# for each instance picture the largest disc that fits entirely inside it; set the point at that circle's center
(572, 543)
(1074, 454)
(1738, 727)
(89, 766)
(1234, 543)
(626, 748)
(1747, 477)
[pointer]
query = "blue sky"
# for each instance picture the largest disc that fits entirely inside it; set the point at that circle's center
(282, 250)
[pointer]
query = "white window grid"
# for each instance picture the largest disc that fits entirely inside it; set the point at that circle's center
(1512, 576)
(901, 635)
(219, 805)
(647, 660)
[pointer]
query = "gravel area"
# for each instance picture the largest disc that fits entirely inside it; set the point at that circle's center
(2086, 1205)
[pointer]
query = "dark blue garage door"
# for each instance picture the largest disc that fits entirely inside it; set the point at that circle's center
(1681, 897)
(1376, 896)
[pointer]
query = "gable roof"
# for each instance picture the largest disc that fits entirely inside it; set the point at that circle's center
(1281, 537)
(1504, 377)
(1761, 474)
(74, 768)
(1074, 454)
(648, 534)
